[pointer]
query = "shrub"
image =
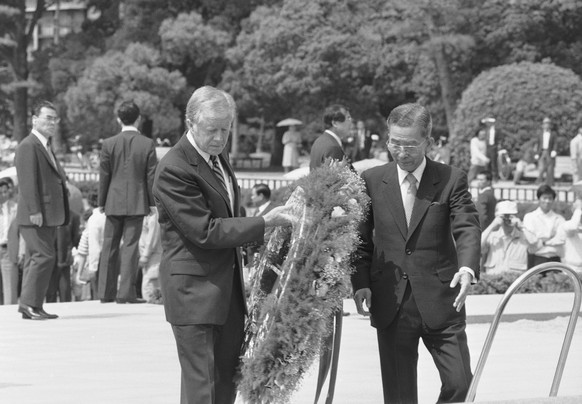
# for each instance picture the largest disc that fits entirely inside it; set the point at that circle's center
(518, 96)
(548, 282)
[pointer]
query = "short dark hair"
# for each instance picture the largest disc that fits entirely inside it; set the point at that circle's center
(333, 113)
(263, 189)
(411, 115)
(93, 197)
(42, 104)
(546, 190)
(6, 181)
(128, 112)
(487, 175)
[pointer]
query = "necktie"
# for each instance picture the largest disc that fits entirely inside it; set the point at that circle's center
(217, 171)
(409, 197)
(49, 150)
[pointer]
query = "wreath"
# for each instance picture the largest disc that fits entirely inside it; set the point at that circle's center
(299, 282)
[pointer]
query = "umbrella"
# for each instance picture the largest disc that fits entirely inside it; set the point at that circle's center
(289, 122)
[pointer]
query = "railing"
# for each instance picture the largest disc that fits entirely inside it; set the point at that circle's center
(274, 181)
(495, 323)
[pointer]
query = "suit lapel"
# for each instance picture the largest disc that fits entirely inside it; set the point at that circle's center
(195, 159)
(424, 195)
(45, 153)
(394, 197)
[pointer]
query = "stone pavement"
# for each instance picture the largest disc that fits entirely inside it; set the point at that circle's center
(125, 354)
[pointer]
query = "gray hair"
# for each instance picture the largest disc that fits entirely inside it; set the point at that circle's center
(410, 115)
(209, 101)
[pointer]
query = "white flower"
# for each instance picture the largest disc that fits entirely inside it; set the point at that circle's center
(338, 212)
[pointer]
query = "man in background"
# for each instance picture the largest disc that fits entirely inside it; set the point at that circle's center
(337, 122)
(128, 164)
(486, 200)
(546, 151)
(8, 265)
(43, 205)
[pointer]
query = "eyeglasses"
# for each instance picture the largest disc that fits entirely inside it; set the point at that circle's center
(54, 119)
(396, 148)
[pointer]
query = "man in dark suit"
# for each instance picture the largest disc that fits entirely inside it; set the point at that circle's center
(42, 207)
(363, 142)
(337, 123)
(419, 255)
(128, 164)
(545, 149)
(201, 278)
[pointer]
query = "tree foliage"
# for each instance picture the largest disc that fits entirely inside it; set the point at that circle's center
(519, 96)
(133, 74)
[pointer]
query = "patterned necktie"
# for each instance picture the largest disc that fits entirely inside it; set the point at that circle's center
(49, 149)
(217, 171)
(409, 197)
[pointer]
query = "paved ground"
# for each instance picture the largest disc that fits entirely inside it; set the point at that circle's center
(109, 353)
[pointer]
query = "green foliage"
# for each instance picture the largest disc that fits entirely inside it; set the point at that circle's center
(519, 96)
(133, 74)
(548, 282)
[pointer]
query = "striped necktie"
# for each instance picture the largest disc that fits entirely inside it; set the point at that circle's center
(218, 172)
(409, 197)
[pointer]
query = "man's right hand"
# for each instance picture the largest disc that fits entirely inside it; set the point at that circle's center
(278, 217)
(36, 219)
(361, 295)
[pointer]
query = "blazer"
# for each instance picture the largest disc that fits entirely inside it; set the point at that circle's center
(201, 236)
(325, 146)
(444, 235)
(42, 185)
(540, 142)
(128, 165)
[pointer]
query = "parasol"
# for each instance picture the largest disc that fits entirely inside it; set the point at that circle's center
(289, 122)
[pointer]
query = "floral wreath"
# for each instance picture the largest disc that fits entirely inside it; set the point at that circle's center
(310, 268)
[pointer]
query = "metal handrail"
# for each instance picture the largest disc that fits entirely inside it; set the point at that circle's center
(569, 332)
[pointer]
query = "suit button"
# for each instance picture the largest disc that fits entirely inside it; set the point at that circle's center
(408, 251)
(405, 276)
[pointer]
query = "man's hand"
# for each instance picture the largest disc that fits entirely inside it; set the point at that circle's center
(143, 261)
(279, 216)
(496, 223)
(101, 209)
(152, 210)
(464, 278)
(36, 219)
(361, 295)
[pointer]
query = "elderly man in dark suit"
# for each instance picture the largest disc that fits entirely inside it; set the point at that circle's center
(42, 207)
(201, 278)
(337, 122)
(420, 253)
(128, 164)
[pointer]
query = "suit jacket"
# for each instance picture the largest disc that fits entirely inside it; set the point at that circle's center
(540, 142)
(444, 235)
(325, 146)
(201, 236)
(42, 185)
(128, 165)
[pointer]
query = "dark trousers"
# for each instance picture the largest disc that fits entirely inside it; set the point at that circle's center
(398, 347)
(546, 168)
(114, 263)
(533, 260)
(209, 355)
(38, 263)
(59, 285)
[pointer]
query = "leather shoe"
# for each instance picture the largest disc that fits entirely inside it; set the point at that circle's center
(30, 313)
(107, 300)
(131, 301)
(47, 315)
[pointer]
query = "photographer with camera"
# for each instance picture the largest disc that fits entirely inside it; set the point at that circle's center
(503, 242)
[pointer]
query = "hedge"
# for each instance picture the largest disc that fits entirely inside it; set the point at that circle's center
(518, 96)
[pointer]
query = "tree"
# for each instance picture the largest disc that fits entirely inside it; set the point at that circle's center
(15, 36)
(518, 96)
(117, 76)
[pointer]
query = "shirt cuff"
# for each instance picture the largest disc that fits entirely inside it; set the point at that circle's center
(469, 271)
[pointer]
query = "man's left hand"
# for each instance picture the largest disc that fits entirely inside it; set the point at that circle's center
(464, 278)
